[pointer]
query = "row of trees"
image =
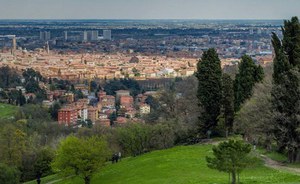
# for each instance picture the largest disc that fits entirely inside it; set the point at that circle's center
(271, 117)
(286, 89)
(219, 95)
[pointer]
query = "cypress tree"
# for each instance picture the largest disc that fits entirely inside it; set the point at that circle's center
(286, 89)
(209, 93)
(248, 75)
(228, 102)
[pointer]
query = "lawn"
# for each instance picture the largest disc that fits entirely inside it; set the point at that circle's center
(180, 165)
(7, 111)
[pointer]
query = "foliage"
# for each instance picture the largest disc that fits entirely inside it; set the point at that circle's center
(53, 110)
(209, 93)
(133, 139)
(230, 157)
(254, 120)
(228, 102)
(42, 165)
(9, 77)
(286, 90)
(8, 175)
(248, 75)
(122, 84)
(81, 157)
(12, 145)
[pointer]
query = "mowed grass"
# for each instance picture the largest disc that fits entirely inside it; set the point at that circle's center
(179, 165)
(7, 111)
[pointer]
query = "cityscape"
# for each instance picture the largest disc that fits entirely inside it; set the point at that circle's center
(149, 92)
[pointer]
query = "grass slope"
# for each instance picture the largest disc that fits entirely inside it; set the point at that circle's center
(180, 165)
(7, 111)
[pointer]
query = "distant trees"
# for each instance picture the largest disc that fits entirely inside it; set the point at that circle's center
(230, 157)
(81, 156)
(286, 89)
(9, 77)
(209, 74)
(122, 84)
(136, 139)
(249, 74)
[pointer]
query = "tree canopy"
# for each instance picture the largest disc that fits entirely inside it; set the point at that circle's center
(249, 74)
(286, 89)
(230, 157)
(209, 74)
(81, 156)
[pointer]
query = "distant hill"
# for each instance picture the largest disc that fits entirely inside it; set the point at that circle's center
(179, 165)
(7, 111)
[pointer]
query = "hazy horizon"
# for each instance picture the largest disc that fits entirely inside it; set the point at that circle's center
(149, 10)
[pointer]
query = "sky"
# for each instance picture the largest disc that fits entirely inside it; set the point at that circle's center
(149, 9)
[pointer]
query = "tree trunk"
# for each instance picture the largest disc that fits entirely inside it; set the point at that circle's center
(227, 132)
(87, 180)
(233, 178)
(292, 155)
(298, 156)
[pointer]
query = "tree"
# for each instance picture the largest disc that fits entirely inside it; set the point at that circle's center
(81, 157)
(134, 139)
(230, 157)
(286, 89)
(54, 111)
(209, 74)
(248, 75)
(254, 119)
(228, 102)
(42, 164)
(12, 145)
(21, 100)
(9, 175)
(8, 77)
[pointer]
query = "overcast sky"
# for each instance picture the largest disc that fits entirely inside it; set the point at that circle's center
(149, 9)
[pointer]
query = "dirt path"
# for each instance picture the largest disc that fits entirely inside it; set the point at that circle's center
(279, 166)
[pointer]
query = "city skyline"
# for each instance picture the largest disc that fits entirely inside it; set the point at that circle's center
(155, 9)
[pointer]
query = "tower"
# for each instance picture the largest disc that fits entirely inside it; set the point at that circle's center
(14, 45)
(47, 48)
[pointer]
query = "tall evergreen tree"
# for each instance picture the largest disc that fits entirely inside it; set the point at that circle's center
(228, 102)
(209, 92)
(248, 75)
(286, 89)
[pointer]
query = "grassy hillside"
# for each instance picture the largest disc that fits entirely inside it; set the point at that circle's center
(7, 111)
(179, 165)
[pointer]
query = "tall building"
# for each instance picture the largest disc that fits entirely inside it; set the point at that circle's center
(92, 35)
(107, 34)
(84, 36)
(45, 35)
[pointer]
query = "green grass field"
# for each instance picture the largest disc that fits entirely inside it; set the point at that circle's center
(7, 111)
(179, 165)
